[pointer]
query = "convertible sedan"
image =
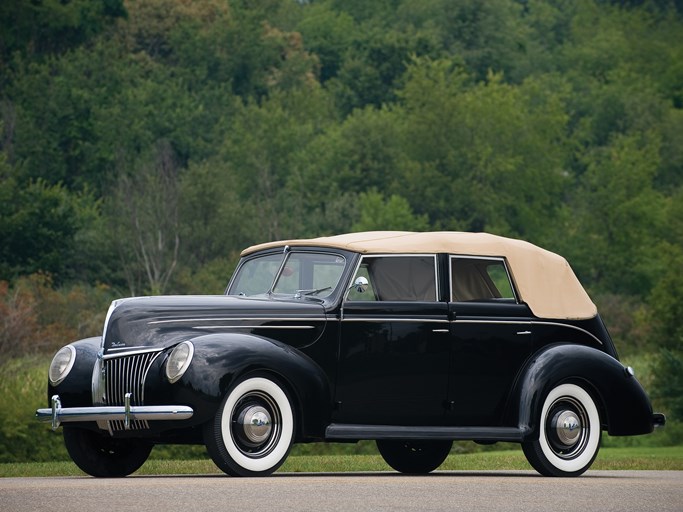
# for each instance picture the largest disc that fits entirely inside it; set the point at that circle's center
(413, 340)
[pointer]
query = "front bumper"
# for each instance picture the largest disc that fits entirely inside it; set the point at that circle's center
(126, 413)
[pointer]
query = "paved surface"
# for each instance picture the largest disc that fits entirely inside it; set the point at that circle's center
(490, 491)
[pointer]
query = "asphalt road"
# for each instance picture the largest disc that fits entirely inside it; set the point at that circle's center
(490, 491)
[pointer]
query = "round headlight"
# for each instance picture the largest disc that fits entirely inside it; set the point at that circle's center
(179, 361)
(61, 364)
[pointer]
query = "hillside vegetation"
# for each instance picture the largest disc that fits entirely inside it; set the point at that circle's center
(144, 143)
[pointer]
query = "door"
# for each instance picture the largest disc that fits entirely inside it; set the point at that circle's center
(491, 337)
(394, 346)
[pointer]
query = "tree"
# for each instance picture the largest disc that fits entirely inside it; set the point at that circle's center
(487, 36)
(263, 153)
(485, 156)
(392, 214)
(619, 216)
(44, 27)
(328, 34)
(143, 214)
(667, 311)
(40, 226)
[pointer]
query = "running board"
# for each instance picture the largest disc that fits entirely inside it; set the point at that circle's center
(351, 431)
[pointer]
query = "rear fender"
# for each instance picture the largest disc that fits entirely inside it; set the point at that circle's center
(624, 406)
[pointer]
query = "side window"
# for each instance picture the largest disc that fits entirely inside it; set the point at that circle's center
(397, 278)
(480, 279)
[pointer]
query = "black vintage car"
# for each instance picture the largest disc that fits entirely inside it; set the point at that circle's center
(410, 339)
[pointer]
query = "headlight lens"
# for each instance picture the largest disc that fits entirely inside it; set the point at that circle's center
(61, 364)
(179, 361)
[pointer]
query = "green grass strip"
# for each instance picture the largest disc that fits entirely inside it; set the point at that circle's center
(639, 458)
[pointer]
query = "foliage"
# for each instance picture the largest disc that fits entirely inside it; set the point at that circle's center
(394, 213)
(23, 389)
(144, 143)
(36, 318)
(516, 118)
(49, 26)
(146, 221)
(668, 383)
(40, 225)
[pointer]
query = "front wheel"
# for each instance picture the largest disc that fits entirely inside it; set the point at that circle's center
(253, 430)
(102, 456)
(414, 456)
(569, 435)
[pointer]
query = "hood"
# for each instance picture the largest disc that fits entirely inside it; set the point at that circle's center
(160, 322)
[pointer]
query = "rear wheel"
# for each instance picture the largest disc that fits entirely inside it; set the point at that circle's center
(569, 436)
(102, 456)
(414, 456)
(253, 430)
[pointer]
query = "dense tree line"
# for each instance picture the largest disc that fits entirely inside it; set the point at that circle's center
(144, 143)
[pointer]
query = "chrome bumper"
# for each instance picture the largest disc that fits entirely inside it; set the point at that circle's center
(126, 413)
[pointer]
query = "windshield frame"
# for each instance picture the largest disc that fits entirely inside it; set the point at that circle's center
(287, 253)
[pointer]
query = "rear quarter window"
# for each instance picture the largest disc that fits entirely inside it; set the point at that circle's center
(480, 280)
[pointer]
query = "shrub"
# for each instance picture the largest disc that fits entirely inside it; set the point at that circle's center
(39, 319)
(23, 390)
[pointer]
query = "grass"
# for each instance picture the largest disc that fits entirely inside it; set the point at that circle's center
(639, 458)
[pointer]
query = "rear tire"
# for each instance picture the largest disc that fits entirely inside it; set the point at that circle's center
(414, 456)
(569, 433)
(103, 456)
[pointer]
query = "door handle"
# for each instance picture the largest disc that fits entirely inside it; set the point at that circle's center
(441, 330)
(523, 332)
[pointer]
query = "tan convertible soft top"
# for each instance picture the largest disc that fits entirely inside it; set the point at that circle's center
(544, 280)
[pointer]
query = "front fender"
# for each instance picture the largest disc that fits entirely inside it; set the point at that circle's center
(220, 359)
(76, 389)
(624, 406)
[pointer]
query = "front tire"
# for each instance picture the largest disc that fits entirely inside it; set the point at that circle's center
(105, 457)
(414, 456)
(569, 433)
(253, 430)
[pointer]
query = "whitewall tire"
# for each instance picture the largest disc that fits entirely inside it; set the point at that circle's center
(253, 430)
(569, 433)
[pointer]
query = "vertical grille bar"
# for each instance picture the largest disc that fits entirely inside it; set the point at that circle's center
(126, 374)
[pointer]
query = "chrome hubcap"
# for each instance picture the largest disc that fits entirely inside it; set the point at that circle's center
(567, 427)
(256, 423)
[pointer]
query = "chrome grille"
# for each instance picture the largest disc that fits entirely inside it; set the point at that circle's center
(126, 374)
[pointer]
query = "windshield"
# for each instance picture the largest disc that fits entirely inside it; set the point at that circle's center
(298, 274)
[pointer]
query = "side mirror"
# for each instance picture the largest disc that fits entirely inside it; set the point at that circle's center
(360, 284)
